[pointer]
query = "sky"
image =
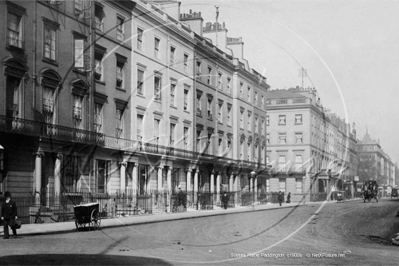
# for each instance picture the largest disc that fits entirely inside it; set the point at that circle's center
(350, 50)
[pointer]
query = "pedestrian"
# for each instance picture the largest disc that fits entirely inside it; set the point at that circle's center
(280, 197)
(181, 197)
(9, 215)
(225, 200)
(289, 197)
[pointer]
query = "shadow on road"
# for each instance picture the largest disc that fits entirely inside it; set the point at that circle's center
(79, 259)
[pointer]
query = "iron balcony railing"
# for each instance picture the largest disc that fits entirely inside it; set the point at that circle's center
(56, 132)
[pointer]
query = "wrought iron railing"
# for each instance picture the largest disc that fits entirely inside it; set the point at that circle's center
(46, 130)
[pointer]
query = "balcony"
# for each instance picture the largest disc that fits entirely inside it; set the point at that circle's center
(55, 132)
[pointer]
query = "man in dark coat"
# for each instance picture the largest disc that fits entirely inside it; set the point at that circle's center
(9, 215)
(280, 197)
(225, 200)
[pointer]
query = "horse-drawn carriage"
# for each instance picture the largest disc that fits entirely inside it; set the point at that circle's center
(370, 190)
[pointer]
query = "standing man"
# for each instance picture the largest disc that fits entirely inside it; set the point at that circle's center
(225, 200)
(9, 215)
(280, 198)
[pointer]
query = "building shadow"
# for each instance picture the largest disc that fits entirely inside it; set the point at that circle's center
(79, 259)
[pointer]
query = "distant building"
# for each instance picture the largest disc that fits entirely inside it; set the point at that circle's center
(308, 149)
(384, 166)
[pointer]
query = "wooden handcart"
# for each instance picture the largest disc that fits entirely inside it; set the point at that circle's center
(87, 216)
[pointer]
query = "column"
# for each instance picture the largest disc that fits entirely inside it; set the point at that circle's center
(169, 187)
(256, 188)
(235, 187)
(38, 175)
(218, 187)
(251, 187)
(134, 183)
(159, 181)
(231, 180)
(196, 186)
(212, 182)
(57, 178)
(123, 177)
(188, 179)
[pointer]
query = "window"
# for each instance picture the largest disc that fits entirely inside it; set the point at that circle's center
(157, 87)
(172, 55)
(249, 94)
(79, 52)
(281, 120)
(282, 138)
(220, 112)
(198, 141)
(185, 100)
(185, 62)
(281, 161)
(267, 121)
(157, 124)
(99, 17)
(220, 81)
(229, 115)
(298, 119)
(263, 127)
(209, 79)
(140, 81)
(256, 98)
(120, 28)
(78, 112)
(298, 185)
(185, 138)
(199, 73)
(172, 93)
(249, 151)
(242, 119)
(241, 89)
(120, 74)
(14, 30)
(209, 108)
(119, 123)
(172, 134)
(49, 43)
(256, 125)
(48, 104)
(156, 48)
(281, 184)
(256, 153)
(98, 65)
(140, 33)
(268, 138)
(102, 176)
(199, 106)
(298, 162)
(267, 185)
(242, 150)
(249, 121)
(228, 85)
(262, 101)
(98, 118)
(139, 134)
(298, 138)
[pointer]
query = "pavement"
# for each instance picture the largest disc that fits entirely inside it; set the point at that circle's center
(68, 227)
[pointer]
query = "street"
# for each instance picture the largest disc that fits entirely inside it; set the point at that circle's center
(349, 233)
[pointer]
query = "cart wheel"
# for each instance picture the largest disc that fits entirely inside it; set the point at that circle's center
(95, 221)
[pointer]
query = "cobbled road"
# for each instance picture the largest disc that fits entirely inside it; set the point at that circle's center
(350, 233)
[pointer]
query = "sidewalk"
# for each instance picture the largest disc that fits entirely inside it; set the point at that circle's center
(68, 227)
